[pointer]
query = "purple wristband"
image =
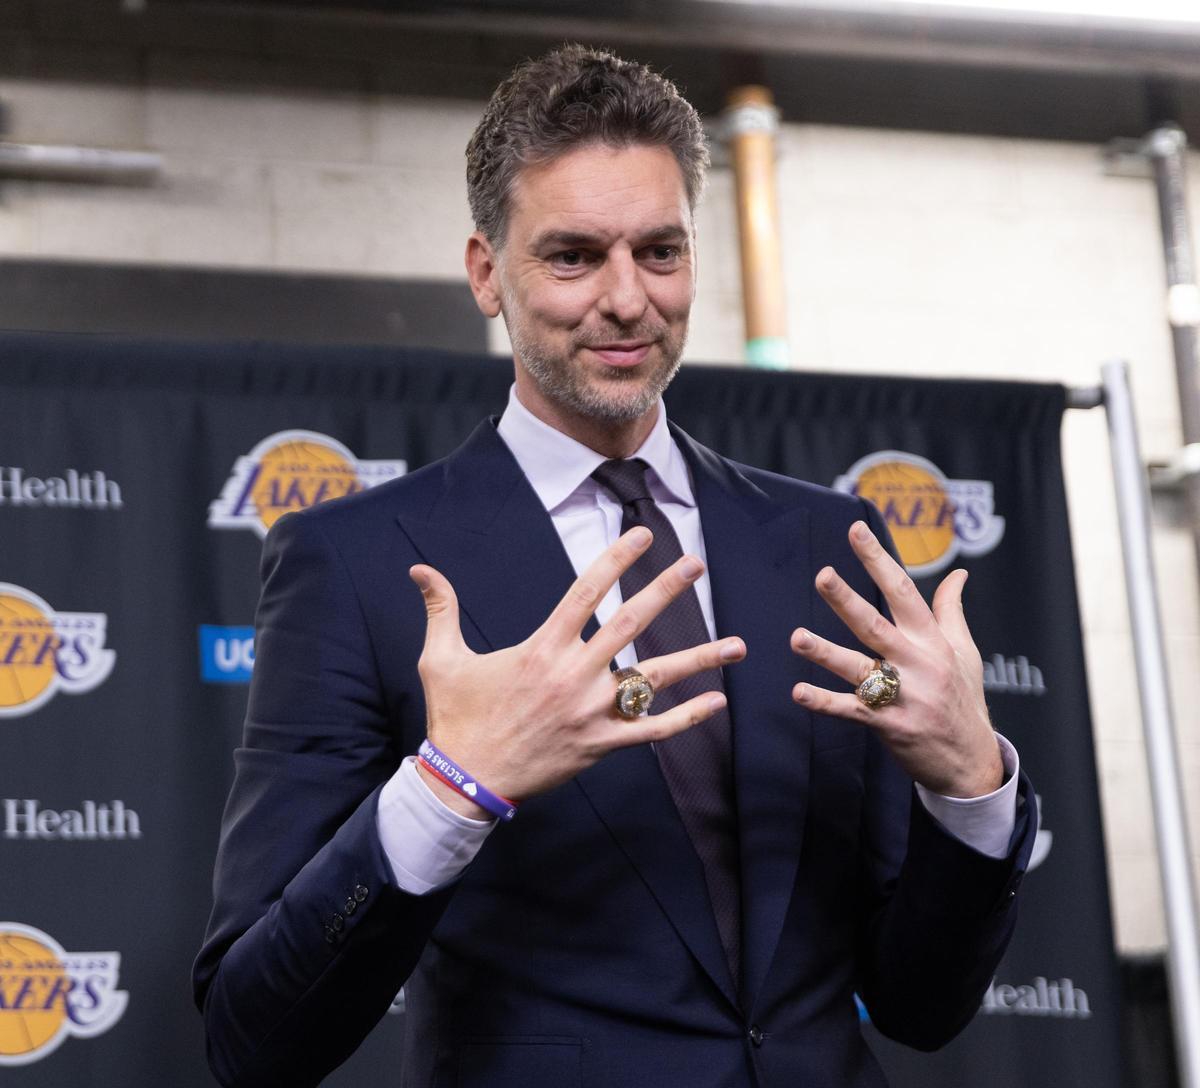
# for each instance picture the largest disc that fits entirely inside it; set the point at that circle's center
(456, 778)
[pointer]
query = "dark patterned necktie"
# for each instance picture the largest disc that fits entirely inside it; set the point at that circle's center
(697, 763)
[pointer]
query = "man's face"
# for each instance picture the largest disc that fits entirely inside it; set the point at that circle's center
(595, 281)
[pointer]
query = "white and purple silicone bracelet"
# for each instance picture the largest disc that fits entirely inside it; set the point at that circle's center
(456, 778)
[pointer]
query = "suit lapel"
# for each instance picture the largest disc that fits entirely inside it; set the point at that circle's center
(491, 537)
(759, 562)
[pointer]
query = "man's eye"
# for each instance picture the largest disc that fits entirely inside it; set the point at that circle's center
(570, 258)
(664, 254)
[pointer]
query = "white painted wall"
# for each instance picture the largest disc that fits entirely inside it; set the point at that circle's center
(905, 252)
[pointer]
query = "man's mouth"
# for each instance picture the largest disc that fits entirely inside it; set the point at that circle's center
(622, 352)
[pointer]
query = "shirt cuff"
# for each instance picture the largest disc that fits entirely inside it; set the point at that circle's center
(984, 823)
(427, 843)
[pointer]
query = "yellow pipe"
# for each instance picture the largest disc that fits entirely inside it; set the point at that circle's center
(751, 122)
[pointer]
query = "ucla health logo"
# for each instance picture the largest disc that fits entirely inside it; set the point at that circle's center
(292, 470)
(72, 490)
(43, 652)
(932, 519)
(48, 994)
(226, 654)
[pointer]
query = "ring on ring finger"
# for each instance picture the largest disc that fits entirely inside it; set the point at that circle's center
(634, 693)
(880, 687)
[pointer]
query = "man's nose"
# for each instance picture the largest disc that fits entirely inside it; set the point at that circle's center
(623, 298)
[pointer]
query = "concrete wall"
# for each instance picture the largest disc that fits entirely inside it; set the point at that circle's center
(906, 253)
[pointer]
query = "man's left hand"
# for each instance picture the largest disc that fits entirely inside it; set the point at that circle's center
(938, 727)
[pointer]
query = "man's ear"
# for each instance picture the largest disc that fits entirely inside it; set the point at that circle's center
(483, 274)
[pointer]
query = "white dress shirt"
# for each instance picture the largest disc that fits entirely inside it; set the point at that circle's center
(426, 842)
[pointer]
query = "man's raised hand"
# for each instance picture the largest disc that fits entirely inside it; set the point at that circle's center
(528, 717)
(938, 728)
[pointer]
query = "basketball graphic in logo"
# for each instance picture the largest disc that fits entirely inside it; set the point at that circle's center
(24, 627)
(292, 470)
(932, 519)
(923, 521)
(48, 994)
(43, 651)
(27, 1027)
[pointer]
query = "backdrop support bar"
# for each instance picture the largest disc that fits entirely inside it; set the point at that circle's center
(1133, 507)
(1085, 396)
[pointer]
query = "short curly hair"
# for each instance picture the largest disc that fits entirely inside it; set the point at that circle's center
(569, 98)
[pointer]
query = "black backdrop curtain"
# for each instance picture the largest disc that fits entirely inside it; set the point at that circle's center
(135, 480)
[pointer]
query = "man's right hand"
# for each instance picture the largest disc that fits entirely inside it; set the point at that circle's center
(529, 717)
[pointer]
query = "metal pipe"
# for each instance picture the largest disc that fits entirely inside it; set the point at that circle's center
(751, 122)
(1085, 396)
(882, 29)
(58, 163)
(1166, 148)
(1133, 508)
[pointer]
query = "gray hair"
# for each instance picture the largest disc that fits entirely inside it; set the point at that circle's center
(568, 99)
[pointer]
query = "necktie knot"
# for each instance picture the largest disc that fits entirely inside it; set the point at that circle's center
(624, 480)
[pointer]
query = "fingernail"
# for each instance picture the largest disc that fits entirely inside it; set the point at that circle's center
(716, 701)
(640, 536)
(731, 650)
(690, 566)
(800, 693)
(803, 638)
(420, 577)
(860, 530)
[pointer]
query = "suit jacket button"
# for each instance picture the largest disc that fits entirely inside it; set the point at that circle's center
(756, 1035)
(337, 922)
(360, 893)
(330, 936)
(351, 906)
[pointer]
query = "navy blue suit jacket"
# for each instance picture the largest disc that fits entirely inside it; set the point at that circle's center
(578, 948)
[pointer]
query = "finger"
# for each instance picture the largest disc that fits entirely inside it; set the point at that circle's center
(838, 704)
(867, 623)
(908, 607)
(442, 631)
(588, 590)
(664, 671)
(653, 728)
(635, 614)
(948, 610)
(848, 664)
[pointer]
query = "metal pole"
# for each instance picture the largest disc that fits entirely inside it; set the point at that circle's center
(1166, 148)
(77, 163)
(1133, 507)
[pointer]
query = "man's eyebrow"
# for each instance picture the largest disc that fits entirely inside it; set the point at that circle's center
(565, 239)
(573, 239)
(671, 234)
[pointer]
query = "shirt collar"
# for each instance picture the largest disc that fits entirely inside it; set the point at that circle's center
(557, 466)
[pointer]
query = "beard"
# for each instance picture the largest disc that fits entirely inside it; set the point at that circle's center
(609, 394)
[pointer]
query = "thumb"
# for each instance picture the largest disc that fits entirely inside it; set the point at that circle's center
(948, 610)
(442, 630)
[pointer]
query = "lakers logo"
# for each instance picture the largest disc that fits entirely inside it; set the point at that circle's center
(932, 519)
(43, 652)
(292, 470)
(47, 994)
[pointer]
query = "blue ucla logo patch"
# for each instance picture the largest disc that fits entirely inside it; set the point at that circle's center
(226, 654)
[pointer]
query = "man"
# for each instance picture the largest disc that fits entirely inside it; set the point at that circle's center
(687, 898)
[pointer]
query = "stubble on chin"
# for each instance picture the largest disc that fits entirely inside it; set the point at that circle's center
(615, 395)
